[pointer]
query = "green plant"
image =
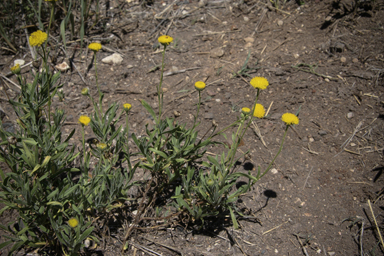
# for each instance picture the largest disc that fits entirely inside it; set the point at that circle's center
(245, 70)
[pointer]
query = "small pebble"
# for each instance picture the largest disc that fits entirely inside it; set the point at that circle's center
(87, 243)
(218, 100)
(311, 139)
(343, 59)
(280, 22)
(326, 80)
(246, 19)
(274, 171)
(322, 132)
(350, 115)
(355, 60)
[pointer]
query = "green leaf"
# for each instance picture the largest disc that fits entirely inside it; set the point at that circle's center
(159, 153)
(55, 203)
(52, 194)
(85, 234)
(214, 161)
(149, 109)
(46, 161)
(69, 191)
(2, 245)
(234, 221)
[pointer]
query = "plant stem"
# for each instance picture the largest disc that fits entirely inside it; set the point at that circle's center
(198, 108)
(159, 89)
(278, 152)
(97, 83)
(83, 141)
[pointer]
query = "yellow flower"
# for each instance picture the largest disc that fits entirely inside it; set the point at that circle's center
(165, 40)
(200, 85)
(94, 47)
(101, 146)
(290, 119)
(73, 222)
(84, 120)
(84, 91)
(16, 69)
(259, 83)
(37, 38)
(127, 106)
(245, 111)
(259, 111)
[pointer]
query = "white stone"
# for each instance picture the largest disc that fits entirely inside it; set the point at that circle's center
(113, 59)
(274, 171)
(246, 19)
(62, 66)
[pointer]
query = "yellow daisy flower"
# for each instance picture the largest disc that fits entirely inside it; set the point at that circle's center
(245, 111)
(199, 85)
(37, 38)
(165, 40)
(84, 91)
(94, 47)
(127, 106)
(259, 83)
(16, 69)
(84, 120)
(290, 119)
(101, 146)
(259, 111)
(73, 222)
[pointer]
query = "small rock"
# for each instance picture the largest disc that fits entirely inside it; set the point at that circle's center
(218, 100)
(129, 66)
(274, 171)
(202, 3)
(343, 59)
(248, 45)
(62, 66)
(326, 80)
(280, 23)
(113, 59)
(311, 139)
(352, 144)
(322, 132)
(249, 39)
(87, 243)
(331, 253)
(208, 115)
(246, 19)
(176, 113)
(19, 61)
(350, 115)
(217, 52)
(296, 55)
(328, 18)
(355, 60)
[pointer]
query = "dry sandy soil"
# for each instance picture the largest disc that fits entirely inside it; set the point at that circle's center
(324, 58)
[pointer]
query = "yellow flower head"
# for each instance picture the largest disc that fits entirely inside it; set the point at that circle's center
(210, 182)
(94, 47)
(73, 222)
(37, 38)
(165, 40)
(259, 83)
(16, 69)
(84, 91)
(290, 119)
(127, 106)
(245, 111)
(259, 111)
(101, 146)
(84, 120)
(200, 85)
